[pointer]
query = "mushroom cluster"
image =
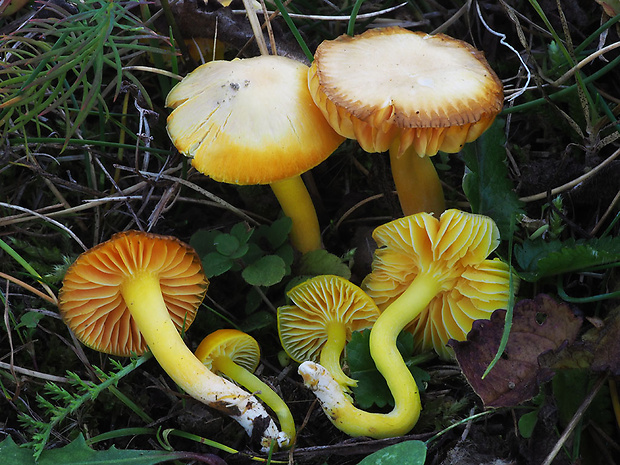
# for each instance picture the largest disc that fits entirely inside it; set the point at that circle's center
(267, 120)
(433, 274)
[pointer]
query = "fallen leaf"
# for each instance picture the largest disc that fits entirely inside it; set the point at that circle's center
(539, 325)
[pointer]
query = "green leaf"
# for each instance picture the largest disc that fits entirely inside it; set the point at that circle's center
(371, 387)
(258, 320)
(538, 259)
(527, 423)
(242, 232)
(78, 453)
(30, 320)
(202, 241)
(276, 233)
(407, 452)
(226, 244)
(266, 271)
(320, 262)
(216, 264)
(253, 254)
(12, 453)
(486, 183)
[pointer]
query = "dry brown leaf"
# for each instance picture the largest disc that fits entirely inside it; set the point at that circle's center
(539, 325)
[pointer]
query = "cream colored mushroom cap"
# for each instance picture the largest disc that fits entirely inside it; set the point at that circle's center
(249, 121)
(90, 299)
(316, 303)
(391, 83)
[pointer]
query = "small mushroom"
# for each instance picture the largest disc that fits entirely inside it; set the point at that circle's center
(253, 121)
(236, 355)
(422, 262)
(137, 291)
(410, 93)
(434, 275)
(326, 310)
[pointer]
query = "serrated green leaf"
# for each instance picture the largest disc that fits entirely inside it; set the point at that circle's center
(78, 453)
(266, 271)
(319, 262)
(486, 183)
(12, 453)
(407, 452)
(226, 244)
(215, 264)
(371, 387)
(538, 259)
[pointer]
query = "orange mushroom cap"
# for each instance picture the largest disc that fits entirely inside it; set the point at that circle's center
(391, 85)
(90, 300)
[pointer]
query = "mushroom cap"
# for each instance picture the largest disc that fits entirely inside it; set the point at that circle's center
(453, 248)
(249, 121)
(430, 92)
(317, 302)
(90, 299)
(240, 347)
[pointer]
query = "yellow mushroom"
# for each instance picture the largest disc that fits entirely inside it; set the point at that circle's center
(253, 121)
(236, 355)
(410, 93)
(137, 291)
(325, 311)
(423, 264)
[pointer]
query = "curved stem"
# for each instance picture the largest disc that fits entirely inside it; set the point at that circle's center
(331, 352)
(252, 383)
(297, 205)
(406, 411)
(143, 297)
(417, 183)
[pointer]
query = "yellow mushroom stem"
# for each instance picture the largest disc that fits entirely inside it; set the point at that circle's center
(252, 383)
(331, 352)
(338, 407)
(297, 205)
(142, 294)
(417, 183)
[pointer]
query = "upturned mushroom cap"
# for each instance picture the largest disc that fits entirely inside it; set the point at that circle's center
(318, 303)
(249, 121)
(430, 92)
(90, 300)
(240, 347)
(453, 251)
